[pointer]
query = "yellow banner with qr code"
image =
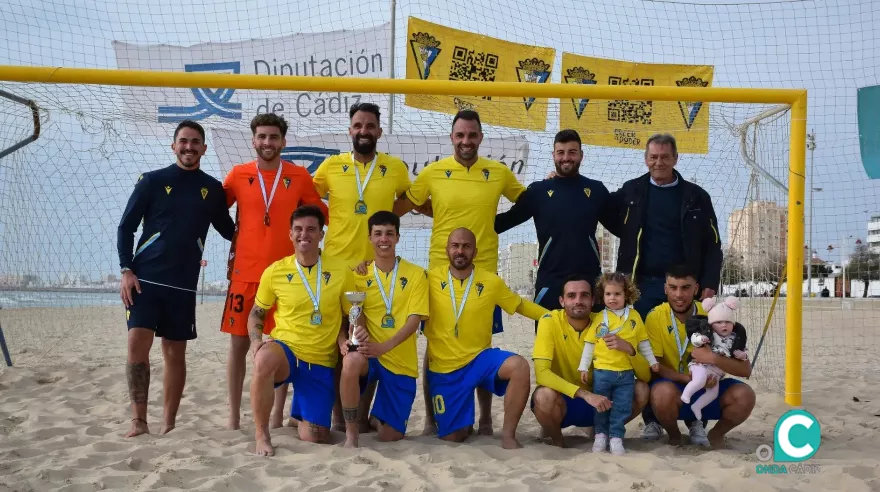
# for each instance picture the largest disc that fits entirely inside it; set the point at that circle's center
(627, 123)
(435, 52)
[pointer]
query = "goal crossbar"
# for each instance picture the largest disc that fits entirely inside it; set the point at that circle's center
(795, 98)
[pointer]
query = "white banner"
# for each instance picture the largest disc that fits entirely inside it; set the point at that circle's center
(417, 151)
(355, 53)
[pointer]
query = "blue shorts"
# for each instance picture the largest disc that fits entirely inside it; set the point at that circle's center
(395, 395)
(578, 413)
(711, 411)
(169, 312)
(314, 391)
(453, 393)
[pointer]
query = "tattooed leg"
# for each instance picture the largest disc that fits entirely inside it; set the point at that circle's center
(312, 432)
(137, 372)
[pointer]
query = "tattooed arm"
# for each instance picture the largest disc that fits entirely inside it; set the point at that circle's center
(256, 322)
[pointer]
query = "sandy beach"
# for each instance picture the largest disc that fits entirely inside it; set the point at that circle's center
(64, 408)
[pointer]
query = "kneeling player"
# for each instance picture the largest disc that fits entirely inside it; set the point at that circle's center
(460, 358)
(396, 302)
(308, 290)
(561, 399)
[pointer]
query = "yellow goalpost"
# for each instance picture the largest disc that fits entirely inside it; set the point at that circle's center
(795, 98)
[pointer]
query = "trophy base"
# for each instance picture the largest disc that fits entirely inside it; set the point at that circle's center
(353, 347)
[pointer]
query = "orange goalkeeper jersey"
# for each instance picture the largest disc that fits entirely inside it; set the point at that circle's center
(256, 245)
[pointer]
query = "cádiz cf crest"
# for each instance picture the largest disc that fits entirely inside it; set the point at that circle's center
(579, 75)
(425, 49)
(533, 70)
(690, 109)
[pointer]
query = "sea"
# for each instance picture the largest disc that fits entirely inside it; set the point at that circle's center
(11, 299)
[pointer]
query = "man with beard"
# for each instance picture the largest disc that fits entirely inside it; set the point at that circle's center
(669, 341)
(566, 210)
(158, 288)
(462, 297)
(561, 399)
(464, 191)
(359, 183)
(267, 191)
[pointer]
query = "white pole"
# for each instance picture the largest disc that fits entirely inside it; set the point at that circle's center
(843, 267)
(811, 145)
(391, 65)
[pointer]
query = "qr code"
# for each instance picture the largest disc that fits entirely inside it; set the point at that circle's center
(628, 111)
(473, 65)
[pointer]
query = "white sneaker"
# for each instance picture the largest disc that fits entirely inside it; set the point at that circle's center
(698, 433)
(652, 432)
(600, 443)
(617, 446)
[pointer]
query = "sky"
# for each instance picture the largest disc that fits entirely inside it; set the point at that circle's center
(61, 197)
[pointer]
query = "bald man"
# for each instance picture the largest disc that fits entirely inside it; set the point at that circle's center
(462, 300)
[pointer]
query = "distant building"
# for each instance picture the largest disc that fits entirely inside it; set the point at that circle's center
(874, 233)
(518, 266)
(758, 232)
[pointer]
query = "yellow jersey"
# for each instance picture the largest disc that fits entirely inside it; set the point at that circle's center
(632, 329)
(282, 286)
(465, 197)
(558, 342)
(347, 232)
(663, 336)
(452, 345)
(410, 297)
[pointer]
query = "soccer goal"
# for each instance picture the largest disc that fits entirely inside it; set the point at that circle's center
(71, 189)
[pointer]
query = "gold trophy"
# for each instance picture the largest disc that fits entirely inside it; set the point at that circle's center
(356, 299)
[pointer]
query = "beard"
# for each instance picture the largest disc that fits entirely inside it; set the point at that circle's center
(573, 172)
(461, 262)
(364, 148)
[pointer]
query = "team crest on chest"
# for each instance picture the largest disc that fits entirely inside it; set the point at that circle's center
(587, 192)
(669, 328)
(383, 169)
(486, 174)
(403, 282)
(289, 277)
(286, 183)
(448, 173)
(369, 282)
(251, 180)
(167, 190)
(479, 289)
(204, 193)
(442, 284)
(326, 276)
(345, 168)
(550, 193)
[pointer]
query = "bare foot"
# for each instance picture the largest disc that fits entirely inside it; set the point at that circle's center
(234, 424)
(485, 428)
(264, 448)
(558, 441)
(138, 427)
(675, 440)
(510, 443)
(166, 428)
(350, 442)
(716, 439)
(430, 429)
(292, 422)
